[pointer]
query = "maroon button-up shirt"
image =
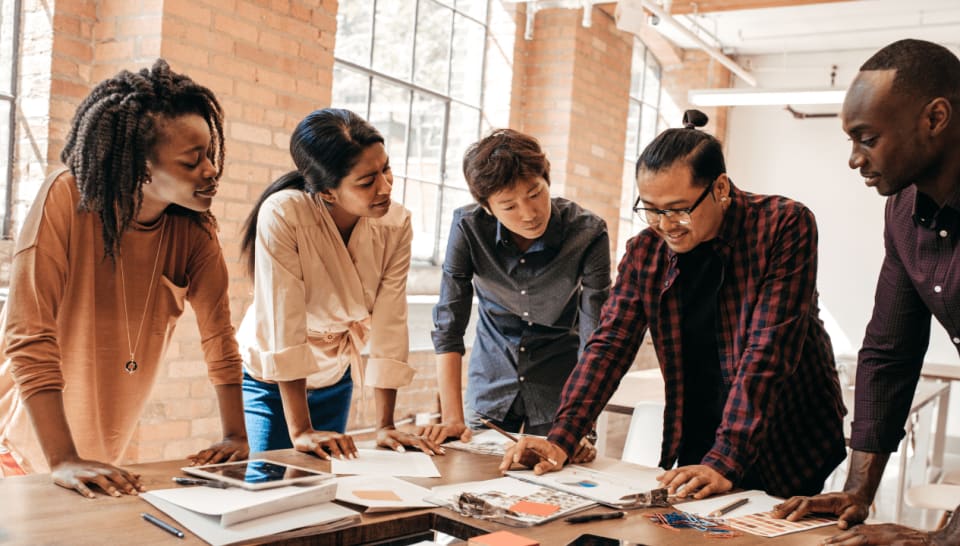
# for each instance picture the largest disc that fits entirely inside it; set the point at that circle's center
(783, 416)
(920, 276)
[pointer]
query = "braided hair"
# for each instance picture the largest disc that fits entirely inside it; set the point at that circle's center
(114, 132)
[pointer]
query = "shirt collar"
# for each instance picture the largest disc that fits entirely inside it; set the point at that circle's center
(927, 214)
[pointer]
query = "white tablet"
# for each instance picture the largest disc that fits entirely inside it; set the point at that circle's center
(257, 473)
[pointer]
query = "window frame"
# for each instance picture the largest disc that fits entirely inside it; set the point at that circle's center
(412, 89)
(6, 225)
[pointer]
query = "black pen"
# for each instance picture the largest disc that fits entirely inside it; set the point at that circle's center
(200, 481)
(163, 525)
(595, 517)
(724, 510)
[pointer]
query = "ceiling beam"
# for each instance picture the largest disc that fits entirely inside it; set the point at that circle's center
(680, 7)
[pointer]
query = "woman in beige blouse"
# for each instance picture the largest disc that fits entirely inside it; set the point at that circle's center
(111, 248)
(329, 254)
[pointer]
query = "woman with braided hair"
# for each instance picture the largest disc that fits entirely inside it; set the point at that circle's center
(112, 246)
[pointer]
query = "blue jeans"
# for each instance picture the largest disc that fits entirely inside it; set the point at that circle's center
(263, 411)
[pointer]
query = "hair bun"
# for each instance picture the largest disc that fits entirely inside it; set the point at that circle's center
(694, 118)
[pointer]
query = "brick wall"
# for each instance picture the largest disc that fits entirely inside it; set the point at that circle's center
(270, 62)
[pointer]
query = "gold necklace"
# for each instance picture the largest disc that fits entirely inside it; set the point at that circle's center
(131, 365)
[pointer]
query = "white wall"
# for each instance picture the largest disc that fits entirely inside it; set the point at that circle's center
(768, 151)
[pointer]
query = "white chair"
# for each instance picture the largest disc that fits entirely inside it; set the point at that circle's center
(645, 435)
(935, 496)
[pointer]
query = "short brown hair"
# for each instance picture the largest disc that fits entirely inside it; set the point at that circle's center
(500, 159)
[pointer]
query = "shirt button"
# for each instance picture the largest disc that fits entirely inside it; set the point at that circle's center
(530, 323)
(523, 292)
(522, 379)
(666, 283)
(956, 341)
(523, 349)
(523, 260)
(943, 233)
(938, 289)
(526, 314)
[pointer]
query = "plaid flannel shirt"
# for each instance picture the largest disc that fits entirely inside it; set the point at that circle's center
(783, 415)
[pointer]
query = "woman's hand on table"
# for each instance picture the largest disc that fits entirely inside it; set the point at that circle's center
(326, 444)
(441, 432)
(81, 474)
(224, 451)
(391, 438)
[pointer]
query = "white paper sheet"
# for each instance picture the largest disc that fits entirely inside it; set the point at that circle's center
(329, 515)
(753, 517)
(219, 502)
(384, 462)
(371, 492)
(487, 442)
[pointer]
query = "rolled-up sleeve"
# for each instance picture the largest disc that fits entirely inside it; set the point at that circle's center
(387, 366)
(283, 352)
(452, 312)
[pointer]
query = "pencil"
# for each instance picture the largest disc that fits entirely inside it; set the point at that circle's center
(515, 439)
(724, 510)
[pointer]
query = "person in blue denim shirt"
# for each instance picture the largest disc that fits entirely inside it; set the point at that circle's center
(540, 267)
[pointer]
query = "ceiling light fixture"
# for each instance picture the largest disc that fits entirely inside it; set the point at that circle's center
(765, 97)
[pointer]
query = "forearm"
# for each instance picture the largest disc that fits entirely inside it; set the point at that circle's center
(230, 402)
(449, 369)
(50, 423)
(386, 402)
(863, 476)
(950, 534)
(296, 411)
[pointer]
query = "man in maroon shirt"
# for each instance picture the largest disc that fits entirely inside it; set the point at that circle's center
(899, 115)
(725, 281)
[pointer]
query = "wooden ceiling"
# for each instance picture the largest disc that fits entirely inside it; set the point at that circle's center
(705, 6)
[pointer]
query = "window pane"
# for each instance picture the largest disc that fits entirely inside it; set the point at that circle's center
(433, 46)
(4, 148)
(422, 200)
(648, 126)
(350, 90)
(636, 69)
(354, 23)
(466, 72)
(399, 188)
(452, 200)
(426, 138)
(6, 51)
(389, 112)
(464, 130)
(474, 8)
(633, 130)
(651, 81)
(393, 41)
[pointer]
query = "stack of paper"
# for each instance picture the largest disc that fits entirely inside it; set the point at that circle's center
(385, 462)
(623, 486)
(226, 516)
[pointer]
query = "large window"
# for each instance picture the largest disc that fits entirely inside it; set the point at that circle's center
(414, 69)
(9, 27)
(643, 124)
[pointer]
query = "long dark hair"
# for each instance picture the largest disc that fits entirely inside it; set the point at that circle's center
(114, 132)
(700, 150)
(324, 146)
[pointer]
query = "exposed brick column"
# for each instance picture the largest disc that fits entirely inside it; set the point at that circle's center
(575, 99)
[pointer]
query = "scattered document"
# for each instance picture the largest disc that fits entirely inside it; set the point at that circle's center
(381, 493)
(487, 442)
(325, 516)
(754, 516)
(234, 505)
(385, 462)
(508, 501)
(616, 484)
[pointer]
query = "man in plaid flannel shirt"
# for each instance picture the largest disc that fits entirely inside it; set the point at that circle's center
(725, 281)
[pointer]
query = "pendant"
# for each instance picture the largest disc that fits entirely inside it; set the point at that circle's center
(130, 366)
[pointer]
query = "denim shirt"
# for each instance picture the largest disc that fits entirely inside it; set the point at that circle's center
(536, 308)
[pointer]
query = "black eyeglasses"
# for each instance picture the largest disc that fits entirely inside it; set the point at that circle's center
(652, 216)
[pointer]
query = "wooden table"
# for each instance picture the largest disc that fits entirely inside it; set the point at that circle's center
(647, 386)
(34, 511)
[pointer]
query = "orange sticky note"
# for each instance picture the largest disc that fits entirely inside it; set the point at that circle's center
(534, 508)
(502, 538)
(376, 494)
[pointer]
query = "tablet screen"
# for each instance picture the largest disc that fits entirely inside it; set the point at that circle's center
(259, 472)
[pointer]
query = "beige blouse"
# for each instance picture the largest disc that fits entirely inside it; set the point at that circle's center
(317, 302)
(65, 327)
